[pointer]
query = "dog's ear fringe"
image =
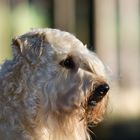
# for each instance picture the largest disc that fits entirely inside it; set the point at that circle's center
(29, 45)
(28, 41)
(17, 45)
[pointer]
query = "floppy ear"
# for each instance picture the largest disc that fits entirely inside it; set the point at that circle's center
(29, 46)
(17, 46)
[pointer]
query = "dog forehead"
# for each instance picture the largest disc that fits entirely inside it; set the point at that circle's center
(57, 38)
(67, 44)
(64, 44)
(62, 39)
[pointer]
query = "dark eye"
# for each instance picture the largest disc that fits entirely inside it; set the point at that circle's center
(68, 63)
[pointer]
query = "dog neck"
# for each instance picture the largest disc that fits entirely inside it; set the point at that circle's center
(55, 129)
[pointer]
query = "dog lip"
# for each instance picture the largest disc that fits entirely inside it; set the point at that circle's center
(92, 102)
(93, 99)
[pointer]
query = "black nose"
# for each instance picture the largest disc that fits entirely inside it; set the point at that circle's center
(97, 95)
(101, 90)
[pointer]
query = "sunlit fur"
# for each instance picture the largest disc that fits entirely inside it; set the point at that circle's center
(41, 99)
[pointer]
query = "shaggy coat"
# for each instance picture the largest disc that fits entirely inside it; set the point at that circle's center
(47, 91)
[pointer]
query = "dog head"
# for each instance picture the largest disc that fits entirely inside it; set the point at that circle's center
(72, 79)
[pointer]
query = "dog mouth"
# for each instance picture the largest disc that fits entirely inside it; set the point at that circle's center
(98, 94)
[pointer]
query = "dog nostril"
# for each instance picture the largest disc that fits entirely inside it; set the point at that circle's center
(101, 90)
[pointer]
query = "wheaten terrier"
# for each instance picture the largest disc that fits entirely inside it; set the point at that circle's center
(51, 89)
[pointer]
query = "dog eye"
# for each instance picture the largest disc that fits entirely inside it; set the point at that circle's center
(68, 63)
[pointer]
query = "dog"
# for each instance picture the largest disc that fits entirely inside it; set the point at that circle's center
(52, 88)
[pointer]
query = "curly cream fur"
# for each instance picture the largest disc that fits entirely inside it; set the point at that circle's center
(42, 100)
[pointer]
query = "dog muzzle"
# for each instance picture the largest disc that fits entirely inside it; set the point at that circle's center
(98, 94)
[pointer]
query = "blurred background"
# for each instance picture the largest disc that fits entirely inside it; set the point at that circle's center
(111, 28)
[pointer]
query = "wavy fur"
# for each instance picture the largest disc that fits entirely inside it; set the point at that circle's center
(42, 100)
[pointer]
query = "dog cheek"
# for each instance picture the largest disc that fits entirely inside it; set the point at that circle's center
(70, 101)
